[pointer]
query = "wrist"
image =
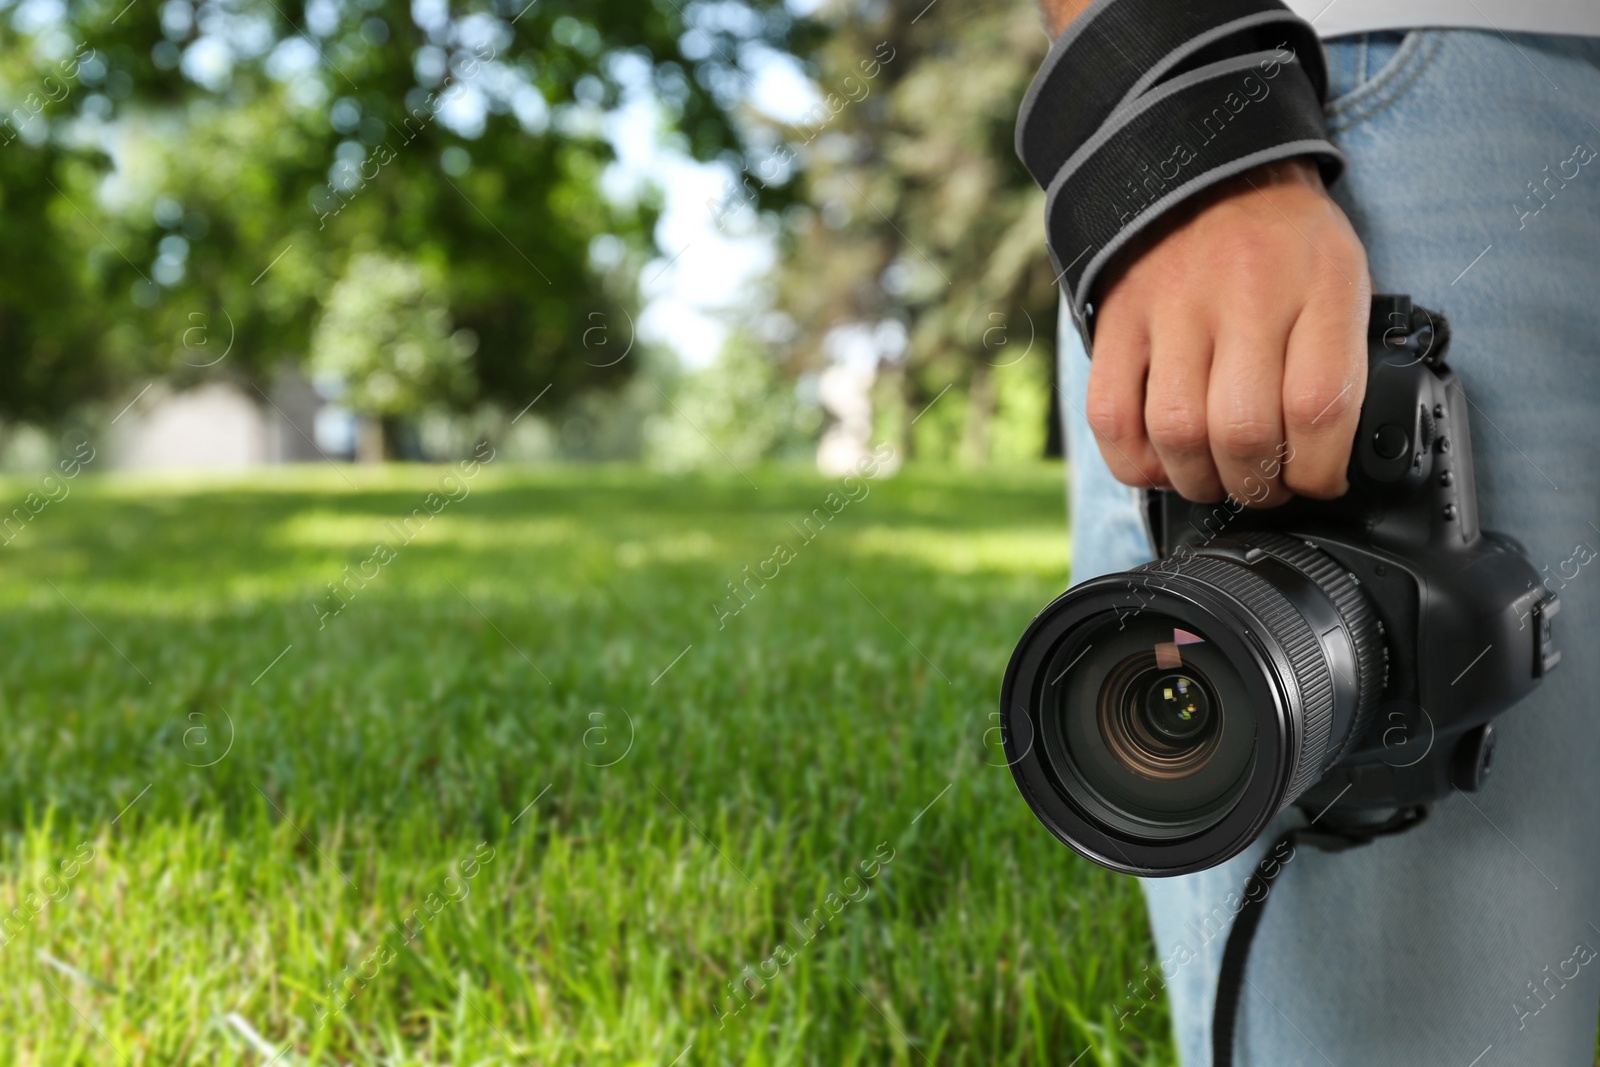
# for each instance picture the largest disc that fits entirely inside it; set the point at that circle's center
(1298, 175)
(1301, 170)
(1271, 192)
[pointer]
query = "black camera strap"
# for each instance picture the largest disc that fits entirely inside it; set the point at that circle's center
(1142, 104)
(1117, 50)
(1236, 951)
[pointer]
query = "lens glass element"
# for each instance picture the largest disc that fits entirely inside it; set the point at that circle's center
(1177, 708)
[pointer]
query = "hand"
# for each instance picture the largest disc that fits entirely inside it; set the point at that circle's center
(1230, 353)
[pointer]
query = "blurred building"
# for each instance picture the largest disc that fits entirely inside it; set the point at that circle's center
(223, 426)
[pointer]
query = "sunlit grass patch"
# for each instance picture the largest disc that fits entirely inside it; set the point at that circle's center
(279, 802)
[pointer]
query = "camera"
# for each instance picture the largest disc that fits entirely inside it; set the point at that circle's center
(1346, 656)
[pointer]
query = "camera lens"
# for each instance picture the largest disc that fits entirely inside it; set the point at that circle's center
(1158, 720)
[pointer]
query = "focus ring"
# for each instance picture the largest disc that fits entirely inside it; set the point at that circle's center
(1361, 622)
(1285, 627)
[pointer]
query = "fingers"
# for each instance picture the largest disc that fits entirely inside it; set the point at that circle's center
(1175, 409)
(1324, 380)
(1244, 398)
(1115, 404)
(1230, 352)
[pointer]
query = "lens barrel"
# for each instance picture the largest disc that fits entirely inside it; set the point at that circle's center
(1157, 720)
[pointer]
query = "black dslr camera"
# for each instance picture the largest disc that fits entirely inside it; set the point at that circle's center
(1344, 655)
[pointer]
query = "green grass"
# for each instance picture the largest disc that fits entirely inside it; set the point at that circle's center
(488, 670)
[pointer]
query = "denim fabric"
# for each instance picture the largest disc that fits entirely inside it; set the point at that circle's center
(1472, 939)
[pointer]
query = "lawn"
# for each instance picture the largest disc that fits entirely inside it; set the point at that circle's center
(534, 786)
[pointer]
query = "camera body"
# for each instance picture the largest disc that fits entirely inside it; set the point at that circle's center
(1465, 617)
(1347, 656)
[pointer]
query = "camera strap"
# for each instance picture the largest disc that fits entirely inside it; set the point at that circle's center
(1236, 951)
(1142, 104)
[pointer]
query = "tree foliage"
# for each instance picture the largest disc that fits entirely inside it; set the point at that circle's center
(918, 210)
(387, 333)
(173, 167)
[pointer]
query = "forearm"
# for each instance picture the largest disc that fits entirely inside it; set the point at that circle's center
(1058, 13)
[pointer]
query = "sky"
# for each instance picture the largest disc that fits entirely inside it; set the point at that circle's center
(706, 269)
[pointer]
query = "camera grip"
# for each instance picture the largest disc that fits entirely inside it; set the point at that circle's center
(1413, 450)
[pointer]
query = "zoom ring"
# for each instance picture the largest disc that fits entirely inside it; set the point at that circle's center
(1287, 629)
(1355, 609)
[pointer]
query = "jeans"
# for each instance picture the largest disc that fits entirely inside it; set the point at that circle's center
(1472, 940)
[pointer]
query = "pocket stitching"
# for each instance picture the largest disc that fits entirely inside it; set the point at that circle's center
(1354, 98)
(1405, 54)
(1408, 74)
(1406, 67)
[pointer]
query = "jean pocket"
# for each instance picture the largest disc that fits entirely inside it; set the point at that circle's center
(1369, 72)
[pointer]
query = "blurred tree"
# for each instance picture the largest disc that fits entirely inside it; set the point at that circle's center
(181, 179)
(918, 210)
(386, 332)
(738, 411)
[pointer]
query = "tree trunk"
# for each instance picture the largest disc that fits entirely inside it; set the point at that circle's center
(980, 418)
(369, 440)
